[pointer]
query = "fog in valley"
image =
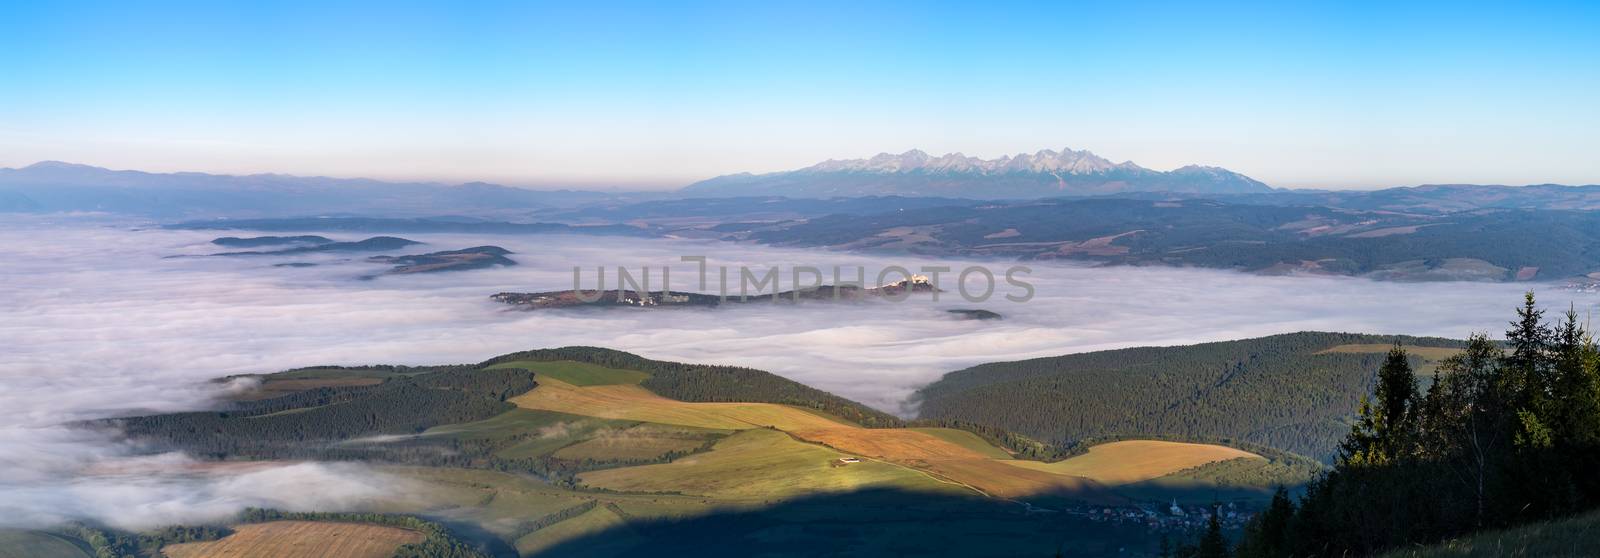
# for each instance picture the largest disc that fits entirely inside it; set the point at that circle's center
(100, 320)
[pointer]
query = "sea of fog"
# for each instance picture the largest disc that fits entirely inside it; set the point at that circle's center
(101, 319)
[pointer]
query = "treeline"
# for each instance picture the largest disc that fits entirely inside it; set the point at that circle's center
(115, 544)
(531, 526)
(438, 542)
(1021, 447)
(1275, 391)
(303, 424)
(702, 383)
(1504, 436)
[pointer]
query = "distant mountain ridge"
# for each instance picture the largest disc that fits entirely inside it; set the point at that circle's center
(1045, 173)
(52, 186)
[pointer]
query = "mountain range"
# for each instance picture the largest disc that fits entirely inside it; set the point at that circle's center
(913, 178)
(1046, 173)
(53, 186)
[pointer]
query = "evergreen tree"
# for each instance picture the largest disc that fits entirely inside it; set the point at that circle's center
(1526, 378)
(1397, 396)
(1212, 543)
(1267, 536)
(1385, 427)
(1576, 414)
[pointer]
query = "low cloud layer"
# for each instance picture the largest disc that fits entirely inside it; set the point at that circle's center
(98, 322)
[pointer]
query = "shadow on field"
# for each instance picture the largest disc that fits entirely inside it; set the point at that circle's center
(867, 523)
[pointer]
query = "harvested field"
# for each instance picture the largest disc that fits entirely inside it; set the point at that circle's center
(760, 464)
(297, 539)
(629, 402)
(1136, 460)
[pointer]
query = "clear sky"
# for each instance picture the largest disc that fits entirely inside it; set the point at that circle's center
(1342, 94)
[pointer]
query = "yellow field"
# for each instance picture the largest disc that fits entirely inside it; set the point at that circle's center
(296, 539)
(1136, 460)
(760, 464)
(630, 402)
(951, 462)
(1428, 353)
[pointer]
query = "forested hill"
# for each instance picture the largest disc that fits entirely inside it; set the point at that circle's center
(1294, 392)
(704, 383)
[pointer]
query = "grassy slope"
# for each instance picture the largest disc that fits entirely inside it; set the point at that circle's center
(966, 440)
(16, 543)
(1568, 538)
(597, 520)
(644, 441)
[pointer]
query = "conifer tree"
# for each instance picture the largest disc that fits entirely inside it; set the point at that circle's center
(1212, 543)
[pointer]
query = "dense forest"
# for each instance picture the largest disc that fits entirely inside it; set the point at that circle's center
(703, 383)
(1280, 391)
(1505, 435)
(117, 544)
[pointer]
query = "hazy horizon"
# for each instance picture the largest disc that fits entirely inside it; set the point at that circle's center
(605, 186)
(645, 96)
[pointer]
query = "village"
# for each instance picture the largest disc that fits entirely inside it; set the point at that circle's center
(1161, 517)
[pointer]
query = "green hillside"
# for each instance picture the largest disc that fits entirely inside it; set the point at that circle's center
(1293, 392)
(1566, 538)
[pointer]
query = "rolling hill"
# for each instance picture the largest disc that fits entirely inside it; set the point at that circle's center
(542, 451)
(1294, 392)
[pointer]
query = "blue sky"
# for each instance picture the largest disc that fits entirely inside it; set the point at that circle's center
(658, 94)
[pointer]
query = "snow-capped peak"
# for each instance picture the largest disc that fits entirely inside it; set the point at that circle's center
(1066, 161)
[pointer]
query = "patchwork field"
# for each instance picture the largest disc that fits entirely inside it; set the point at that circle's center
(940, 454)
(761, 464)
(630, 402)
(1132, 461)
(762, 457)
(296, 539)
